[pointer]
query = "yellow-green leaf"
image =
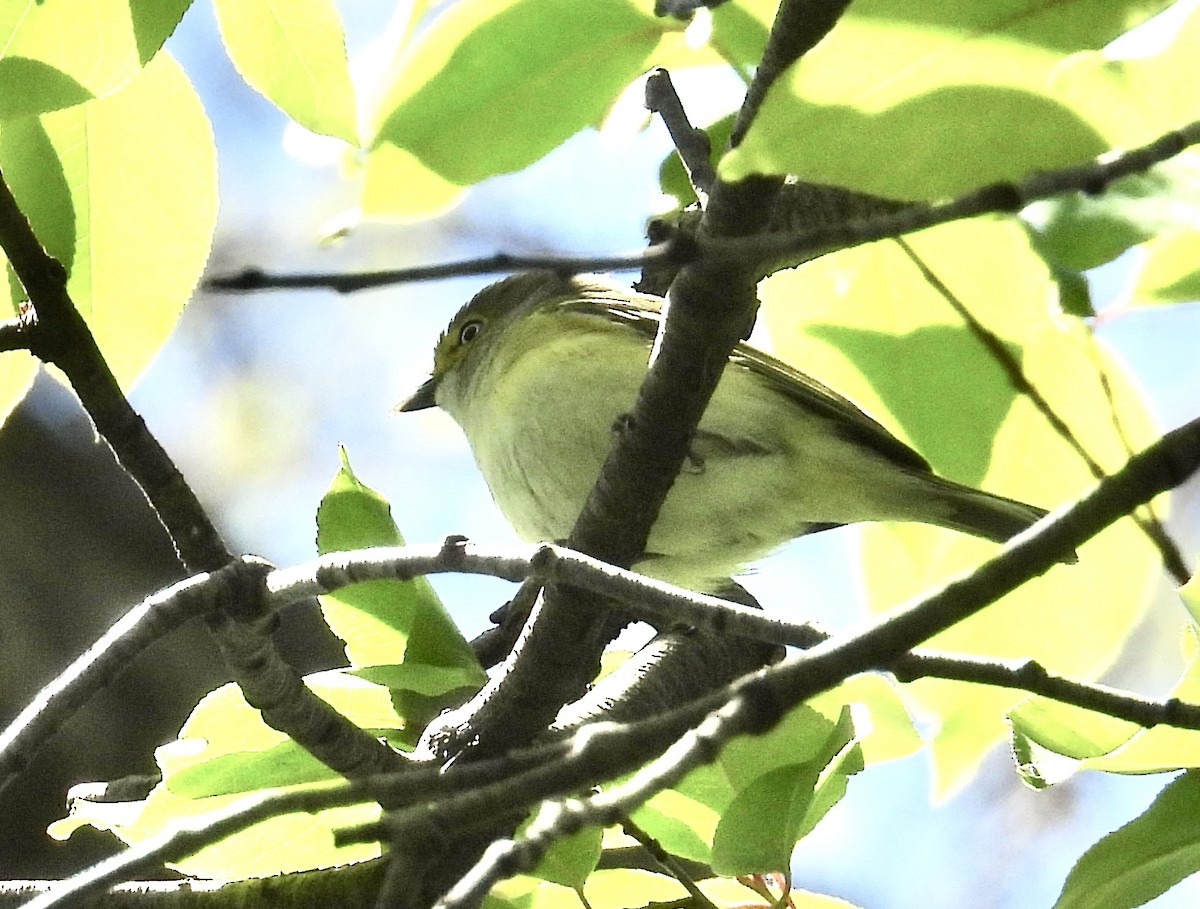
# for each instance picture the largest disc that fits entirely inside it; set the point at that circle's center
(56, 55)
(866, 322)
(398, 185)
(294, 53)
(1168, 271)
(122, 190)
(493, 85)
(383, 622)
(951, 98)
(226, 754)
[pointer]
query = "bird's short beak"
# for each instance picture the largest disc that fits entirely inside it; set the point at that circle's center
(421, 399)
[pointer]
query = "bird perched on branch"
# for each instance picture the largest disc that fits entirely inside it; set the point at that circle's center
(538, 369)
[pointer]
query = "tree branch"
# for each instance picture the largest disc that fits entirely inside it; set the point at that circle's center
(660, 603)
(692, 144)
(56, 333)
(781, 250)
(754, 704)
(798, 26)
(155, 617)
(254, 279)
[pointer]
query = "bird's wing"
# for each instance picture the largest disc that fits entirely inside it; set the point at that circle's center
(808, 393)
(644, 316)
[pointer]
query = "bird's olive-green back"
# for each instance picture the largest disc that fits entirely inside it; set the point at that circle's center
(500, 303)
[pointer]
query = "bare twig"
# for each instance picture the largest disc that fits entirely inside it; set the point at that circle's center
(415, 785)
(56, 333)
(649, 600)
(493, 646)
(660, 603)
(107, 658)
(777, 249)
(254, 279)
(756, 703)
(691, 143)
(669, 863)
(798, 26)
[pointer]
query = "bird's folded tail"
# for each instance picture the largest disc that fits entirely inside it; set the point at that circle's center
(984, 514)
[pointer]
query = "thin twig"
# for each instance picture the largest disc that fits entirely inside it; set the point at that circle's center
(691, 143)
(1153, 523)
(56, 333)
(253, 279)
(764, 251)
(668, 862)
(155, 617)
(798, 26)
(660, 603)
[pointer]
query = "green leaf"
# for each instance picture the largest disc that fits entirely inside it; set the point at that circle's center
(226, 753)
(1053, 740)
(1169, 270)
(225, 747)
(397, 185)
(384, 622)
(420, 691)
(692, 819)
(958, 94)
(56, 55)
(1145, 95)
(739, 30)
(491, 86)
(1081, 232)
(294, 53)
(610, 889)
(122, 191)
(1050, 740)
(866, 322)
(421, 678)
(1143, 859)
(943, 142)
(570, 860)
(884, 730)
(762, 823)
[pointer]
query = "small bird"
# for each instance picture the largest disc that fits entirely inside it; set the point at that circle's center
(538, 369)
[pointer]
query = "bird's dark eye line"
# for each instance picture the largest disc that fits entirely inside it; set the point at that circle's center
(468, 332)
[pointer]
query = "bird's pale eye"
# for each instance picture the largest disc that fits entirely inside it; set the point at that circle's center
(468, 332)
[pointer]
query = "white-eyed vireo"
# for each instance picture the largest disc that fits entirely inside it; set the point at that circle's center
(537, 369)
